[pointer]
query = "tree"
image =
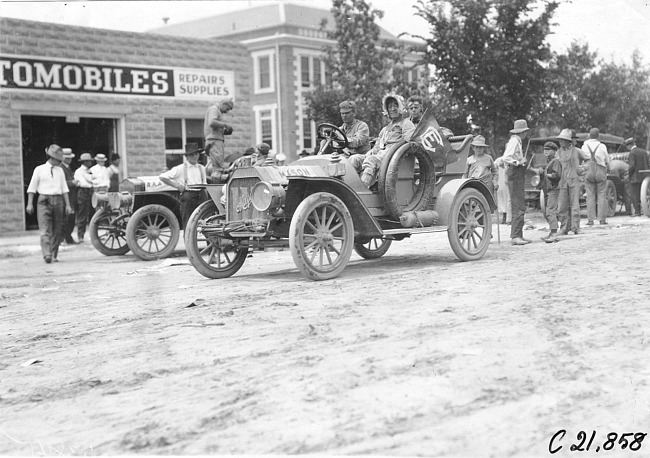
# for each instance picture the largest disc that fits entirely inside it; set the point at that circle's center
(358, 65)
(489, 58)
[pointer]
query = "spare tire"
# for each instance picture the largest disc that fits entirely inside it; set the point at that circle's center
(397, 201)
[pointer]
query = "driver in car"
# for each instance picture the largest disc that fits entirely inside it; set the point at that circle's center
(356, 131)
(400, 128)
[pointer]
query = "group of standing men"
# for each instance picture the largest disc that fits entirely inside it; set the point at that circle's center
(64, 195)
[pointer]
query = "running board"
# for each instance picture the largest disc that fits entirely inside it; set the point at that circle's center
(415, 230)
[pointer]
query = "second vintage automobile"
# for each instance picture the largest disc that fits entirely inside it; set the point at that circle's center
(319, 208)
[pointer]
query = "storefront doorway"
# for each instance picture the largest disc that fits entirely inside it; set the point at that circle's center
(82, 135)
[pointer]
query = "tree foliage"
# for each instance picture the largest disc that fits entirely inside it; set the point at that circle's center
(489, 58)
(359, 65)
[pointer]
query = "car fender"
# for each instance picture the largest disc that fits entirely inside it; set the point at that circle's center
(449, 191)
(300, 188)
(169, 199)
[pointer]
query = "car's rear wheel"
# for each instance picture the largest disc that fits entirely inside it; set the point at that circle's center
(374, 249)
(470, 225)
(108, 232)
(321, 236)
(152, 232)
(645, 196)
(212, 256)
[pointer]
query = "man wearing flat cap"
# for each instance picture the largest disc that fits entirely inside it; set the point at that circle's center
(516, 172)
(48, 181)
(68, 223)
(356, 131)
(262, 156)
(183, 176)
(637, 161)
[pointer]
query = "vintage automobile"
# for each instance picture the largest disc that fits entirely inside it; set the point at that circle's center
(320, 209)
(142, 217)
(614, 191)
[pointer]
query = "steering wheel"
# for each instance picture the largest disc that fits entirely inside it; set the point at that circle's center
(333, 136)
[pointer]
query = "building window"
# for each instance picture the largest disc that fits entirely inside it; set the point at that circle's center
(263, 71)
(311, 71)
(178, 133)
(265, 124)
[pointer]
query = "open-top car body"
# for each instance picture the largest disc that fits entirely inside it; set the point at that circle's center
(320, 209)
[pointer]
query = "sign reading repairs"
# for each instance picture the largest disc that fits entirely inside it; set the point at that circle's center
(30, 73)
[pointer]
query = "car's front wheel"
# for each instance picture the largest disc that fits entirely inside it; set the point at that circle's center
(212, 256)
(321, 236)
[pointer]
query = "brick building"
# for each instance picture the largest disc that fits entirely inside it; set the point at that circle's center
(142, 96)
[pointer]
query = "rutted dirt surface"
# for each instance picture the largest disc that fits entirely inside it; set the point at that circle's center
(412, 354)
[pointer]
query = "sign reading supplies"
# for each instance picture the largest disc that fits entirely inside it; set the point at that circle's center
(29, 73)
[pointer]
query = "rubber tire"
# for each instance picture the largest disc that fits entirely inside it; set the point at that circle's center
(194, 252)
(370, 253)
(611, 197)
(321, 201)
(134, 226)
(388, 182)
(109, 218)
(645, 196)
(469, 196)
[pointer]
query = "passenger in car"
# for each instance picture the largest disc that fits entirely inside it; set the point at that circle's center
(400, 128)
(481, 165)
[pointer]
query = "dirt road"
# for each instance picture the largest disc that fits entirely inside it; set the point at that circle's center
(412, 354)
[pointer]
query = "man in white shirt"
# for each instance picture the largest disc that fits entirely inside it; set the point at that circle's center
(181, 177)
(99, 171)
(84, 194)
(48, 180)
(596, 177)
(516, 175)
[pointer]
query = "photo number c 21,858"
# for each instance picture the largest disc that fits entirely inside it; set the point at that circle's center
(585, 442)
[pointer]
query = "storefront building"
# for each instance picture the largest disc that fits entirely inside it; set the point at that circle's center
(142, 96)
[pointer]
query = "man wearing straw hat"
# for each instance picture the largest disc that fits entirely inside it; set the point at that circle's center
(84, 194)
(48, 180)
(516, 172)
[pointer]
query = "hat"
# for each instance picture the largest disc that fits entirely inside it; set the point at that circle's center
(249, 151)
(67, 153)
(55, 151)
(629, 141)
(85, 157)
(594, 132)
(114, 157)
(550, 145)
(565, 135)
(263, 148)
(479, 140)
(347, 106)
(304, 153)
(192, 148)
(100, 157)
(520, 126)
(397, 98)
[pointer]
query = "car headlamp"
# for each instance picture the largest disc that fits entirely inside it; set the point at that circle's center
(267, 197)
(534, 180)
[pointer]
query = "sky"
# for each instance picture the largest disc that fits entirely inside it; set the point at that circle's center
(614, 28)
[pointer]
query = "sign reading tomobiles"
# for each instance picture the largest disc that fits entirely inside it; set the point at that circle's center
(21, 72)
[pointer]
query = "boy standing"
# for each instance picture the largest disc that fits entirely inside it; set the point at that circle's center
(551, 189)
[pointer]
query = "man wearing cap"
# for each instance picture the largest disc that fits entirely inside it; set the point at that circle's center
(570, 158)
(637, 161)
(99, 171)
(481, 165)
(516, 172)
(551, 175)
(399, 129)
(68, 222)
(215, 129)
(183, 176)
(356, 131)
(48, 180)
(415, 106)
(596, 177)
(262, 156)
(84, 194)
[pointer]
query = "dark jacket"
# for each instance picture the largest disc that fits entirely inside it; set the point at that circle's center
(638, 160)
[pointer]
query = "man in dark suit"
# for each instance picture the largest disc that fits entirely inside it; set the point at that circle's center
(638, 161)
